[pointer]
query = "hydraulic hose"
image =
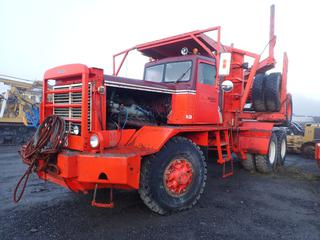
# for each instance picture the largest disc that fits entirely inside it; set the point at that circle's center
(46, 142)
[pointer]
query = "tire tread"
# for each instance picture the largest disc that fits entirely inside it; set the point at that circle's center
(272, 92)
(258, 93)
(145, 191)
(249, 163)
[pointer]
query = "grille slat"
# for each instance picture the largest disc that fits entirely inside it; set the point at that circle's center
(71, 98)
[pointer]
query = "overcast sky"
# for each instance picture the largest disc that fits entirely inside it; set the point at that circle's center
(38, 35)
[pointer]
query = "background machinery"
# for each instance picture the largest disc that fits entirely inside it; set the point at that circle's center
(19, 110)
(302, 140)
(153, 134)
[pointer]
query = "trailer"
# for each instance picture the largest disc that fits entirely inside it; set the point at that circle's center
(153, 134)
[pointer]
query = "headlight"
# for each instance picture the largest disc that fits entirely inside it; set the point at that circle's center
(51, 82)
(94, 141)
(184, 51)
(76, 130)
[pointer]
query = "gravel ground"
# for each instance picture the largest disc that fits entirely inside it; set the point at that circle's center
(247, 205)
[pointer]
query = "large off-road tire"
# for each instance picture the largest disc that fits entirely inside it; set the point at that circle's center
(258, 93)
(249, 163)
(173, 179)
(308, 150)
(267, 163)
(282, 146)
(272, 85)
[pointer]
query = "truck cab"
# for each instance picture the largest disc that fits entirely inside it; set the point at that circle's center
(194, 78)
(186, 83)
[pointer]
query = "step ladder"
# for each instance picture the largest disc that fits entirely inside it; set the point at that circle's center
(109, 204)
(223, 145)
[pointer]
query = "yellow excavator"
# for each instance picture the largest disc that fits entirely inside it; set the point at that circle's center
(19, 109)
(302, 140)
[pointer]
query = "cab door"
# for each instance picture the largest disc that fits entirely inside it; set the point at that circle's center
(207, 107)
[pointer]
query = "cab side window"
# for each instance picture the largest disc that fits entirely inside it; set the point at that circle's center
(207, 73)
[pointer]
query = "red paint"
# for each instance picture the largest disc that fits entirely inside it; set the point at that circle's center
(224, 63)
(178, 177)
(317, 154)
(207, 100)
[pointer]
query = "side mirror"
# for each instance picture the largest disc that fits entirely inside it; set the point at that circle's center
(227, 86)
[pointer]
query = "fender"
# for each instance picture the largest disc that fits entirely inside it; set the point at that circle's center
(153, 138)
(254, 137)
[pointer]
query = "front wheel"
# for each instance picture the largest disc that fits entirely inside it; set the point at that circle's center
(173, 179)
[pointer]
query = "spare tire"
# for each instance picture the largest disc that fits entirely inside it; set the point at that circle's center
(272, 92)
(258, 93)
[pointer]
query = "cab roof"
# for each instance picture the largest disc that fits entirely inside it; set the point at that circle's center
(170, 47)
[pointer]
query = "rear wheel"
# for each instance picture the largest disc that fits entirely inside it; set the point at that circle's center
(249, 164)
(282, 146)
(267, 163)
(174, 178)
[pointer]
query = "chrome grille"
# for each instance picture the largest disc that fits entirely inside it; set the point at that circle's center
(71, 113)
(89, 106)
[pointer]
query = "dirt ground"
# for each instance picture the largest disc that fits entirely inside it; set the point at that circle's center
(247, 205)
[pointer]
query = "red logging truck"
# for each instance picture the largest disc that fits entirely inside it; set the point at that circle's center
(153, 135)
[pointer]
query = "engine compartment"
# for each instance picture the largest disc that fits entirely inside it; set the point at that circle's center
(130, 108)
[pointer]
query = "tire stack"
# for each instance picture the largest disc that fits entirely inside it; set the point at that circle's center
(266, 92)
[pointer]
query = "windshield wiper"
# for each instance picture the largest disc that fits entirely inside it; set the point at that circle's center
(182, 75)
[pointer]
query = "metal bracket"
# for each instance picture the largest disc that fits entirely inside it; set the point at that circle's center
(102, 205)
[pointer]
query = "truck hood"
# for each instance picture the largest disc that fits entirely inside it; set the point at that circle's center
(142, 85)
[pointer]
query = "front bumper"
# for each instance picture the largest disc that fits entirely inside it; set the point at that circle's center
(82, 171)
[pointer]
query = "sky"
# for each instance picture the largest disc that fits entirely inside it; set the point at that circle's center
(40, 34)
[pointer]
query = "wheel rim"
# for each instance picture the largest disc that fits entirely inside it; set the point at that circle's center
(178, 177)
(272, 152)
(283, 148)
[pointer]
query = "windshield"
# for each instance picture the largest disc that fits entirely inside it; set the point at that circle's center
(154, 73)
(169, 72)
